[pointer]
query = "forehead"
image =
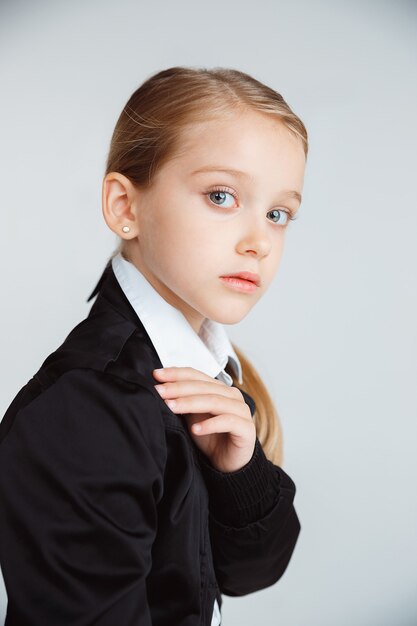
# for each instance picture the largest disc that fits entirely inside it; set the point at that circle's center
(241, 128)
(257, 144)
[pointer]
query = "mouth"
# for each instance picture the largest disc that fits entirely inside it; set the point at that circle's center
(240, 282)
(247, 277)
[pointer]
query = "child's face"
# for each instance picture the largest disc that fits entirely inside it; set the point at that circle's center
(188, 239)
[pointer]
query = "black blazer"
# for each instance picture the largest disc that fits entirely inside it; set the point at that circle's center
(109, 513)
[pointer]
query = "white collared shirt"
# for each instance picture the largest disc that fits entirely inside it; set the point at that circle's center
(174, 339)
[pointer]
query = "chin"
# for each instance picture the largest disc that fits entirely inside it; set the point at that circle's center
(228, 316)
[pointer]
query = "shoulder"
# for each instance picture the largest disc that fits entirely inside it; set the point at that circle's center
(88, 412)
(82, 439)
(106, 343)
(106, 389)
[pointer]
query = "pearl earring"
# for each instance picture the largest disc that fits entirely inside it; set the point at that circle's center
(125, 229)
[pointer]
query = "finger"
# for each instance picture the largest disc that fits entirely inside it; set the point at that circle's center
(239, 429)
(183, 373)
(192, 387)
(209, 403)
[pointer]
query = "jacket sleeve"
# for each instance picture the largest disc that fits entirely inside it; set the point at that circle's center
(81, 474)
(253, 523)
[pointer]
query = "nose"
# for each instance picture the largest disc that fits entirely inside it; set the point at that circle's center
(256, 241)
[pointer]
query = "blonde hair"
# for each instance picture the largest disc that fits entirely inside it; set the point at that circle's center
(150, 131)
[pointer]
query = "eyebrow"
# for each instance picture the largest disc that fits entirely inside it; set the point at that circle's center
(243, 175)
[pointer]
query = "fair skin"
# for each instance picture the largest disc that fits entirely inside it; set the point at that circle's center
(184, 235)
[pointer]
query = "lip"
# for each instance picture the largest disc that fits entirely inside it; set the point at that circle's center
(253, 278)
(239, 284)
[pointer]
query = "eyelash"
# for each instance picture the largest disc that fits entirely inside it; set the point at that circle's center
(234, 194)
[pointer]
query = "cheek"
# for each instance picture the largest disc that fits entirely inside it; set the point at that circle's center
(277, 253)
(178, 248)
(189, 240)
(274, 259)
(162, 233)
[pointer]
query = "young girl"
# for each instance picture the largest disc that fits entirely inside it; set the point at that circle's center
(141, 466)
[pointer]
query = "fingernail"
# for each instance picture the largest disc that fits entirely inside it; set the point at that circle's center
(160, 389)
(171, 403)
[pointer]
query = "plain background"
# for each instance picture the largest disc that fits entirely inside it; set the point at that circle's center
(335, 336)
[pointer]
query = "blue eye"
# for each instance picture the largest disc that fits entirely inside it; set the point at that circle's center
(278, 213)
(280, 216)
(220, 195)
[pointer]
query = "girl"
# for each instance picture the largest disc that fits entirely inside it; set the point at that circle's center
(141, 466)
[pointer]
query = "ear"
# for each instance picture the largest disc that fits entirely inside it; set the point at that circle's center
(119, 205)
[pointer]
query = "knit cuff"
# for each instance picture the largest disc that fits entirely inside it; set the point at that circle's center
(246, 495)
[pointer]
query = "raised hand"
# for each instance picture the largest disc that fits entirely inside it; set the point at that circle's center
(219, 420)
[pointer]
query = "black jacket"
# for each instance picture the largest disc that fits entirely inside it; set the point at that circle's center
(109, 513)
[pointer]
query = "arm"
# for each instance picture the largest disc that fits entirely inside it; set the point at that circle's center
(81, 474)
(253, 523)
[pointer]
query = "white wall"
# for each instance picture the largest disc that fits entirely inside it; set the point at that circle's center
(334, 338)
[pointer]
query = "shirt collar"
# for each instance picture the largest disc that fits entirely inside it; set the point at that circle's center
(174, 339)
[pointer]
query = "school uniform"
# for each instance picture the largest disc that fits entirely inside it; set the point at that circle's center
(109, 512)
(175, 341)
